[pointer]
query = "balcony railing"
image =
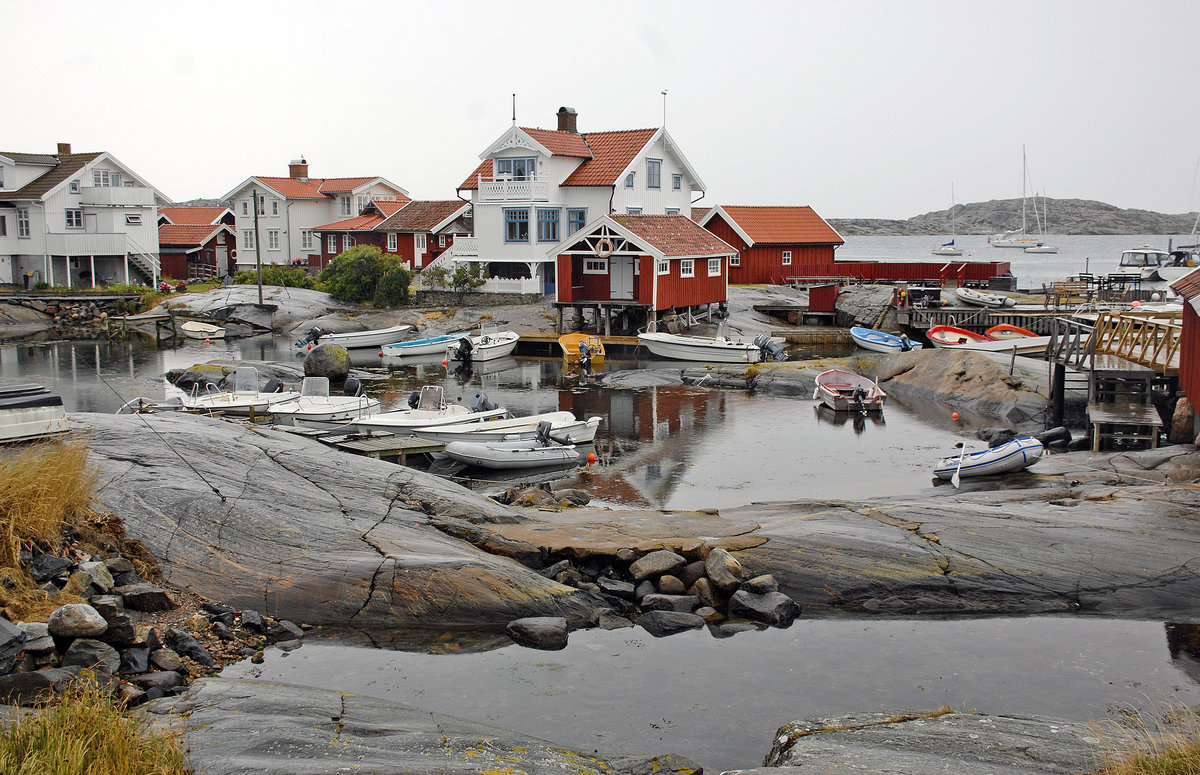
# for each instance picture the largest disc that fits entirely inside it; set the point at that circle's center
(116, 196)
(466, 246)
(84, 244)
(504, 190)
(511, 285)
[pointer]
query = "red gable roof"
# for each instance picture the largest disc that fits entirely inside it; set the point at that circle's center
(560, 143)
(698, 213)
(483, 170)
(675, 235)
(1188, 286)
(316, 188)
(195, 216)
(782, 225)
(423, 216)
(188, 235)
(365, 222)
(605, 155)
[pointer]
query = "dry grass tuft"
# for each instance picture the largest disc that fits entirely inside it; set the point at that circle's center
(1155, 738)
(84, 731)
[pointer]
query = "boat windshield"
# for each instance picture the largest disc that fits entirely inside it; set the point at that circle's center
(313, 387)
(431, 398)
(245, 379)
(1143, 258)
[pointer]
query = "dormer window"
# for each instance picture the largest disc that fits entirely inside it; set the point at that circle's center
(516, 169)
(653, 173)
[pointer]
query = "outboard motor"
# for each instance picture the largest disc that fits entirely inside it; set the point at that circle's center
(463, 351)
(480, 402)
(273, 386)
(905, 344)
(585, 357)
(352, 387)
(414, 398)
(543, 434)
(311, 337)
(770, 350)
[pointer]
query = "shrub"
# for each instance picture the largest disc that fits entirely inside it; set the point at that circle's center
(41, 286)
(278, 274)
(436, 277)
(355, 276)
(394, 282)
(84, 731)
(467, 278)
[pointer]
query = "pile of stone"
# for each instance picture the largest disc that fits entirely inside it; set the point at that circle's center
(141, 661)
(75, 320)
(664, 592)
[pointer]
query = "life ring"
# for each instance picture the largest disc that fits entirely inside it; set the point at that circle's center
(604, 248)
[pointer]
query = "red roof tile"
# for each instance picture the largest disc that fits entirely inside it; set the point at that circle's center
(611, 154)
(483, 170)
(783, 225)
(316, 188)
(698, 213)
(365, 222)
(423, 216)
(195, 216)
(390, 206)
(675, 235)
(342, 185)
(560, 143)
(187, 235)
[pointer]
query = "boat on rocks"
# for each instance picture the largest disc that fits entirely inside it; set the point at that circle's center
(712, 349)
(983, 299)
(491, 344)
(846, 391)
(397, 352)
(316, 407)
(882, 341)
(565, 428)
(30, 412)
(245, 398)
(1015, 455)
(375, 337)
(951, 336)
(539, 452)
(427, 408)
(196, 329)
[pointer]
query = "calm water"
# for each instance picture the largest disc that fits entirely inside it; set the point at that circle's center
(1083, 253)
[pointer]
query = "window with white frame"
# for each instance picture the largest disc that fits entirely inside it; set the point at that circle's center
(595, 266)
(272, 239)
(133, 219)
(687, 267)
(653, 173)
(248, 239)
(306, 239)
(787, 258)
(419, 242)
(672, 211)
(74, 219)
(633, 210)
(102, 178)
(262, 204)
(246, 207)
(347, 242)
(664, 266)
(735, 260)
(274, 207)
(23, 223)
(73, 188)
(441, 240)
(363, 201)
(393, 241)
(629, 180)
(1, 176)
(714, 267)
(331, 243)
(676, 181)
(548, 224)
(516, 169)
(576, 219)
(344, 205)
(516, 225)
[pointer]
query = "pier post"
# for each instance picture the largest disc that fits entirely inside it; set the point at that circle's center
(1058, 387)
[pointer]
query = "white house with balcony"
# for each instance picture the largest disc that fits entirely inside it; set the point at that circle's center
(534, 187)
(76, 219)
(290, 209)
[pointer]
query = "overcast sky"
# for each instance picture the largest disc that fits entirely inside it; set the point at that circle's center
(860, 109)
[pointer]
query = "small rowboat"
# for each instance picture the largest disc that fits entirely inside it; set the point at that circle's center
(564, 428)
(395, 354)
(527, 453)
(949, 336)
(375, 337)
(570, 344)
(30, 412)
(1017, 454)
(194, 329)
(1006, 331)
(881, 341)
(981, 299)
(490, 345)
(844, 391)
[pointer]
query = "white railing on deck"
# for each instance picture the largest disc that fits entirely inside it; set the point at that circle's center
(507, 285)
(500, 190)
(465, 246)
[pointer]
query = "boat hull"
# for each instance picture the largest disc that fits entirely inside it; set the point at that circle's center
(1016, 455)
(981, 299)
(237, 403)
(501, 429)
(881, 341)
(397, 353)
(512, 454)
(845, 391)
(488, 347)
(706, 349)
(569, 343)
(310, 412)
(406, 421)
(376, 337)
(30, 412)
(197, 330)
(949, 336)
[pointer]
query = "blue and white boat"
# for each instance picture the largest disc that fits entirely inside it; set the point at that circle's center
(395, 354)
(1015, 455)
(881, 341)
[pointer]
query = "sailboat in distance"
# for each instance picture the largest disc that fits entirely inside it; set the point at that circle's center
(948, 248)
(1043, 224)
(1017, 239)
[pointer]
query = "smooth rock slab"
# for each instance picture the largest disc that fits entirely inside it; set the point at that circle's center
(774, 608)
(548, 633)
(663, 623)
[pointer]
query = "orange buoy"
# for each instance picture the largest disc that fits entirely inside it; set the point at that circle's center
(954, 416)
(206, 341)
(591, 458)
(445, 361)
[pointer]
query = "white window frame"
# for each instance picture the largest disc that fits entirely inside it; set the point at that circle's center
(73, 187)
(362, 202)
(393, 242)
(246, 207)
(664, 266)
(3, 225)
(595, 266)
(672, 211)
(262, 204)
(714, 267)
(133, 219)
(331, 243)
(787, 258)
(306, 239)
(441, 240)
(735, 260)
(2, 177)
(633, 211)
(101, 178)
(274, 207)
(347, 242)
(676, 182)
(272, 239)
(629, 179)
(247, 239)
(653, 173)
(687, 267)
(23, 230)
(74, 218)
(344, 205)
(419, 242)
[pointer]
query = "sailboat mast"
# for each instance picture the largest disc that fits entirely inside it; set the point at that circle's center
(1024, 177)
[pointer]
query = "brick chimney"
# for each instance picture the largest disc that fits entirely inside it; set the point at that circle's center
(64, 149)
(566, 120)
(298, 169)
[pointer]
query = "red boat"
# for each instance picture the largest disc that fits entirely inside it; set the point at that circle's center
(949, 336)
(1006, 331)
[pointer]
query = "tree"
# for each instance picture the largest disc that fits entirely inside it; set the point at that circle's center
(467, 278)
(365, 274)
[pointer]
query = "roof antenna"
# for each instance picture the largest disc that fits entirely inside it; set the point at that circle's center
(514, 109)
(664, 94)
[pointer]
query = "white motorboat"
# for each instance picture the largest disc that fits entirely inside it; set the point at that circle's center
(375, 337)
(952, 336)
(195, 329)
(983, 299)
(1151, 264)
(711, 349)
(489, 345)
(1041, 249)
(565, 428)
(882, 341)
(844, 391)
(316, 406)
(427, 409)
(1015, 455)
(947, 249)
(30, 412)
(244, 399)
(540, 452)
(395, 354)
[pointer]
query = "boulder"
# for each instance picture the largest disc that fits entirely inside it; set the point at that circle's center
(12, 643)
(31, 688)
(44, 567)
(328, 360)
(282, 629)
(165, 659)
(37, 637)
(1182, 419)
(663, 623)
(145, 597)
(616, 588)
(683, 603)
(612, 621)
(134, 660)
(108, 606)
(99, 574)
(773, 608)
(703, 591)
(95, 654)
(655, 564)
(548, 633)
(691, 573)
(182, 643)
(76, 620)
(671, 585)
(761, 585)
(121, 631)
(163, 681)
(643, 589)
(117, 565)
(724, 570)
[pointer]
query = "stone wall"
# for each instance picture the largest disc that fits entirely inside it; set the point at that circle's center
(427, 298)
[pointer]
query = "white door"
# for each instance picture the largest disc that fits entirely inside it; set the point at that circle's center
(620, 274)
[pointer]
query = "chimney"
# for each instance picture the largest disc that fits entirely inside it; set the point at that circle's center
(566, 120)
(64, 149)
(298, 169)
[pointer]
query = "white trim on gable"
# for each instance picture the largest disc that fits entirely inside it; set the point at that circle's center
(729, 220)
(514, 137)
(84, 173)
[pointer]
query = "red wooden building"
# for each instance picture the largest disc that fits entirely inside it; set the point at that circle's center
(417, 231)
(1189, 342)
(628, 269)
(196, 243)
(772, 241)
